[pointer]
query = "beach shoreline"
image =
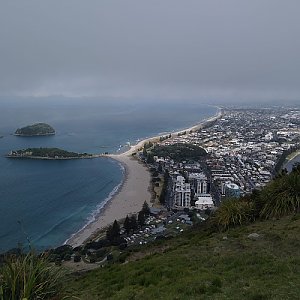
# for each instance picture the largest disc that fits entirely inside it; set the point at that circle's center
(128, 199)
(156, 138)
(133, 190)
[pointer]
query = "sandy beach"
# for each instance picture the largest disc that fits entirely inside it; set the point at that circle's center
(134, 190)
(129, 199)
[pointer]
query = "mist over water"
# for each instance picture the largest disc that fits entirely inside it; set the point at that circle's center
(47, 201)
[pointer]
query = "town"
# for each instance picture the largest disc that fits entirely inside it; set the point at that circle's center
(245, 149)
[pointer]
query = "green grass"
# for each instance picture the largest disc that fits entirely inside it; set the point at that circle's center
(204, 265)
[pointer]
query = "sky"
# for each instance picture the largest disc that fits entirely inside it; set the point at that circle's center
(202, 49)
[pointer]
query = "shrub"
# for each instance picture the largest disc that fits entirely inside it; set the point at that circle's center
(93, 259)
(101, 253)
(122, 257)
(234, 212)
(109, 257)
(281, 196)
(29, 277)
(77, 258)
(67, 257)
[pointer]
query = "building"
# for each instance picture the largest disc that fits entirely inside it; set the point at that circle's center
(198, 183)
(232, 190)
(204, 202)
(182, 192)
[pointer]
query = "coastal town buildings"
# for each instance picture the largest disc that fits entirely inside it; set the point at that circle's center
(199, 184)
(232, 190)
(204, 202)
(182, 192)
(246, 147)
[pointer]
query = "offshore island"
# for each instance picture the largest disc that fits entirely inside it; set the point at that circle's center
(48, 153)
(37, 129)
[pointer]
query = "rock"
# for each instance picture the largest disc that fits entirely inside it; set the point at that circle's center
(254, 236)
(217, 250)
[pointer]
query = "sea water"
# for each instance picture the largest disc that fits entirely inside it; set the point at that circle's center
(44, 202)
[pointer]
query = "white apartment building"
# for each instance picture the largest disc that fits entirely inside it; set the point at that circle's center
(182, 192)
(198, 183)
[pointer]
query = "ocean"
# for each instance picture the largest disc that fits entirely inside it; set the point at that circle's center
(44, 202)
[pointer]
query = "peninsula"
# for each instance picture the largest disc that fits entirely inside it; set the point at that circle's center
(48, 153)
(38, 129)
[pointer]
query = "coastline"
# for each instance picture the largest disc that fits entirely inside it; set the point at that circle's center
(156, 138)
(128, 199)
(133, 190)
(32, 135)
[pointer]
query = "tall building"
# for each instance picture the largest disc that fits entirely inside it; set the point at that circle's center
(182, 192)
(199, 184)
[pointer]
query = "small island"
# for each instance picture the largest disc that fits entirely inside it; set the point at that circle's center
(48, 153)
(38, 129)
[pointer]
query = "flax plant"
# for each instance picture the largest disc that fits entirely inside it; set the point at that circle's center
(282, 196)
(29, 277)
(234, 212)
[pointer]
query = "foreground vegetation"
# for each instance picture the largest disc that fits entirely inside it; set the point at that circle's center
(205, 265)
(27, 276)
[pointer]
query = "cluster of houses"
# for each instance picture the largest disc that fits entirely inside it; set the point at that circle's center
(243, 148)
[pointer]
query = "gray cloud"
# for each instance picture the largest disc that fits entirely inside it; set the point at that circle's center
(162, 48)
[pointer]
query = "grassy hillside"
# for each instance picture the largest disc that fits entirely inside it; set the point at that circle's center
(205, 265)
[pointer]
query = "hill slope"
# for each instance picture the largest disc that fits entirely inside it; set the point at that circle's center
(205, 265)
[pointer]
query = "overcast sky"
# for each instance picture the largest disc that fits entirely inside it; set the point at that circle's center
(221, 49)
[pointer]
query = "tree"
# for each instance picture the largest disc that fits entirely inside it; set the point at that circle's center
(141, 218)
(133, 223)
(113, 231)
(160, 169)
(145, 152)
(146, 209)
(162, 199)
(127, 225)
(163, 193)
(150, 159)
